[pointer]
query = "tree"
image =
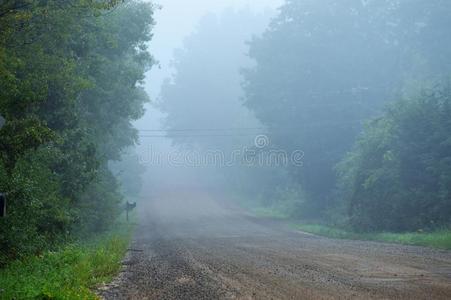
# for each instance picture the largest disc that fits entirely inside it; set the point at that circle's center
(322, 68)
(398, 176)
(205, 93)
(71, 74)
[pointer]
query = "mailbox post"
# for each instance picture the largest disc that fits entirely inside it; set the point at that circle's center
(129, 207)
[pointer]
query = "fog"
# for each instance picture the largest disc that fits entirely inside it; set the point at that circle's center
(177, 26)
(208, 140)
(176, 22)
(273, 105)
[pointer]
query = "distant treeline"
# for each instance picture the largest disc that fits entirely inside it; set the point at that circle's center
(361, 87)
(70, 78)
(327, 67)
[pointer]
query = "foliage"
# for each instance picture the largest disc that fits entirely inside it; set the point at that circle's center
(398, 177)
(129, 171)
(68, 273)
(71, 74)
(323, 67)
(37, 214)
(283, 203)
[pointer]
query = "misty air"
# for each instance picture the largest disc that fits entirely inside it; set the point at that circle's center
(226, 149)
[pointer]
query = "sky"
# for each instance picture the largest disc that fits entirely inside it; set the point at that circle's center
(175, 21)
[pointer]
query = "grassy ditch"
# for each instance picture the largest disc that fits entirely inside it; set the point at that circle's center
(440, 239)
(437, 239)
(69, 273)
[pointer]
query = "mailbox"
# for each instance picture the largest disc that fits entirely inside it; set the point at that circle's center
(129, 207)
(2, 205)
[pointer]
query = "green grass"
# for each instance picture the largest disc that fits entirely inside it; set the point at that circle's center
(260, 211)
(264, 212)
(438, 239)
(69, 273)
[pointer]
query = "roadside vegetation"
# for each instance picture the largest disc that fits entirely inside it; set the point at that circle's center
(70, 272)
(440, 239)
(71, 75)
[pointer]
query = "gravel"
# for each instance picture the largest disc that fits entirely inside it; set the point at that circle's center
(189, 247)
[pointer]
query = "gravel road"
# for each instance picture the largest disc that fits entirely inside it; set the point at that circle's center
(189, 247)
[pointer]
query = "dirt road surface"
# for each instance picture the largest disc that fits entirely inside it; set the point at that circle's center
(190, 247)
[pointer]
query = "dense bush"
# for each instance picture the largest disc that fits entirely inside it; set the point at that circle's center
(70, 77)
(398, 177)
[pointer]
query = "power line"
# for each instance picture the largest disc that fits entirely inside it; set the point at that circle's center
(197, 136)
(200, 129)
(231, 132)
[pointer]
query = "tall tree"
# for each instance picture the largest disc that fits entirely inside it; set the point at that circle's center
(322, 68)
(205, 93)
(71, 74)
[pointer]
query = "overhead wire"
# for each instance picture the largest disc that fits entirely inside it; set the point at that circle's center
(227, 132)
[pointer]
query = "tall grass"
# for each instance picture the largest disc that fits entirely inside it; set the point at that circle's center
(440, 239)
(69, 273)
(437, 239)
